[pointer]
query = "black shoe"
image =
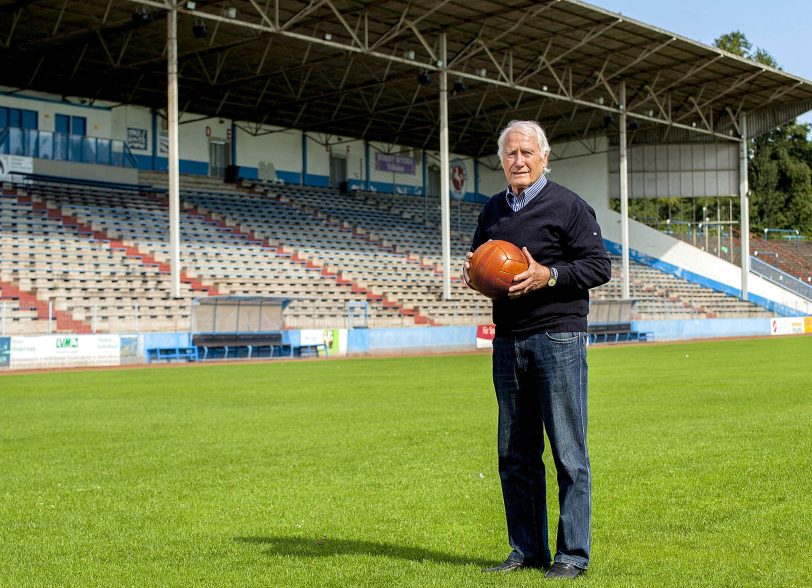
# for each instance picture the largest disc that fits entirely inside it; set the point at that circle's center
(511, 565)
(564, 571)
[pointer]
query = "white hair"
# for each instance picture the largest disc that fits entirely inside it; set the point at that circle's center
(529, 128)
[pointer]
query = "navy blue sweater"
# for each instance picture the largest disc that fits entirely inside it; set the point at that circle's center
(559, 230)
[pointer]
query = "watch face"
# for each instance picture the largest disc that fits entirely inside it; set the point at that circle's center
(551, 281)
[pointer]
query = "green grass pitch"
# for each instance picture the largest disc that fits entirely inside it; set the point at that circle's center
(382, 472)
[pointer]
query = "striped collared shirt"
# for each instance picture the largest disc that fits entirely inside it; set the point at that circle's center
(517, 202)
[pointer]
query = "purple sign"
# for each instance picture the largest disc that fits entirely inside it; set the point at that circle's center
(399, 164)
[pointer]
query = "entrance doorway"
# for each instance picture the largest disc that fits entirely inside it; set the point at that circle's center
(338, 172)
(433, 188)
(219, 158)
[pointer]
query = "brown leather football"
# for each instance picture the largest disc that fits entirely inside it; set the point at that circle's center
(493, 266)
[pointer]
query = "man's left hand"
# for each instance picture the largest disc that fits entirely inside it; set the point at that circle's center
(533, 278)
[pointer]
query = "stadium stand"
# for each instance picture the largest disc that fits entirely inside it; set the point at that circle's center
(791, 255)
(95, 258)
(76, 247)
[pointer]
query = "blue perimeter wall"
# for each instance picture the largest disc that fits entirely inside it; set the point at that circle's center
(444, 339)
(704, 328)
(406, 339)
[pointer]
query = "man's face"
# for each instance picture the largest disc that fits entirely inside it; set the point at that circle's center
(522, 160)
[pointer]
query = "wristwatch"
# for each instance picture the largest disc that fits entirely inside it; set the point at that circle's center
(553, 277)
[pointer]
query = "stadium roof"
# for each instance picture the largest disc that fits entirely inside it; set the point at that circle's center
(368, 69)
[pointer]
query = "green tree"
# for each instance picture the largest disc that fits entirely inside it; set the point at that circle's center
(735, 43)
(738, 44)
(780, 175)
(780, 169)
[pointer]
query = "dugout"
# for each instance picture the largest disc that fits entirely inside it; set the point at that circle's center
(232, 327)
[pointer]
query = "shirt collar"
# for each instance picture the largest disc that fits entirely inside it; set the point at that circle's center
(519, 201)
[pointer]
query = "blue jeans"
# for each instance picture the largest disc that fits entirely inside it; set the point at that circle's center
(541, 384)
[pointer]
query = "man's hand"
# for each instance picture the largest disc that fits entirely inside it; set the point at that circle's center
(467, 266)
(533, 278)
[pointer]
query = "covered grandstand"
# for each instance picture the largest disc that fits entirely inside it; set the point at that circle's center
(280, 98)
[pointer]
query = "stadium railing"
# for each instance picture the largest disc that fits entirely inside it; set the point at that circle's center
(64, 147)
(781, 278)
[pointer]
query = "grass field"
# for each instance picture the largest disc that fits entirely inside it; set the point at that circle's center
(382, 472)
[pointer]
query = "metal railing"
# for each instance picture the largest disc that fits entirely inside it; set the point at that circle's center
(64, 147)
(781, 278)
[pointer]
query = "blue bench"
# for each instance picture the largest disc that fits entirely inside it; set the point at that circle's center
(240, 345)
(172, 353)
(616, 333)
(620, 337)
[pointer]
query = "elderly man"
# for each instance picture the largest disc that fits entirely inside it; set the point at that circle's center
(539, 352)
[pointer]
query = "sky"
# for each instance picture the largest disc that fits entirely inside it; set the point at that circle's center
(783, 28)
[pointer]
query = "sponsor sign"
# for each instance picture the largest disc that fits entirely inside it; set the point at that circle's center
(5, 351)
(137, 138)
(311, 337)
(129, 345)
(14, 164)
(484, 336)
(398, 164)
(787, 326)
(459, 179)
(336, 341)
(64, 351)
(808, 324)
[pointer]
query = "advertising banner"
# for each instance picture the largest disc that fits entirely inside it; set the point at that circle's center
(11, 164)
(459, 179)
(311, 337)
(5, 351)
(336, 341)
(484, 336)
(787, 326)
(48, 351)
(399, 164)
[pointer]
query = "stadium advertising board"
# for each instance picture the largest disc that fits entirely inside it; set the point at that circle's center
(459, 179)
(64, 351)
(334, 340)
(484, 336)
(5, 347)
(14, 164)
(398, 164)
(787, 326)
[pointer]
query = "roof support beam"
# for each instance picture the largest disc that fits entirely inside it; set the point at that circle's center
(404, 23)
(460, 67)
(15, 19)
(591, 35)
(473, 49)
(346, 26)
(606, 78)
